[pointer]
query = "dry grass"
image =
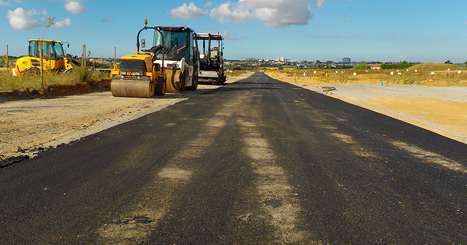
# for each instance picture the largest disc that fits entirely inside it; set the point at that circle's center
(440, 78)
(234, 73)
(9, 82)
(435, 67)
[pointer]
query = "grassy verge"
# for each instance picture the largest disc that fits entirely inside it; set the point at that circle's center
(441, 78)
(9, 82)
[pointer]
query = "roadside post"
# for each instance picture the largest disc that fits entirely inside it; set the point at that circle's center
(7, 62)
(84, 56)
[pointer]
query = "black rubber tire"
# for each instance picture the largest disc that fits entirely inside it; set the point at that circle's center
(33, 72)
(160, 87)
(68, 71)
(194, 87)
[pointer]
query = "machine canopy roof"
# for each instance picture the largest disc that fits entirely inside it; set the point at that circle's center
(205, 36)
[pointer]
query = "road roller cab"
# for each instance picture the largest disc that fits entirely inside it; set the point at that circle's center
(169, 65)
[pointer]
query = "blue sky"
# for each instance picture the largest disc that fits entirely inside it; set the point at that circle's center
(364, 30)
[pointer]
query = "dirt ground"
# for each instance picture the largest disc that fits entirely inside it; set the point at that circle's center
(30, 126)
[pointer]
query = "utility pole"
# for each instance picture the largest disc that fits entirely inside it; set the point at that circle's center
(83, 60)
(41, 44)
(7, 62)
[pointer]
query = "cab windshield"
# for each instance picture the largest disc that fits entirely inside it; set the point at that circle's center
(51, 50)
(172, 39)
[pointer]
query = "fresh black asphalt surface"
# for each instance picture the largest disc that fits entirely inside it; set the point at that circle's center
(257, 161)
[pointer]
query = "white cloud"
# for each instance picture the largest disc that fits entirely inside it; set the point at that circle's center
(21, 19)
(225, 13)
(186, 12)
(284, 14)
(275, 13)
(64, 23)
(208, 4)
(228, 37)
(75, 7)
(320, 3)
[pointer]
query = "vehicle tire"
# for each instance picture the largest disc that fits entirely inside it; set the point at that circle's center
(68, 71)
(33, 72)
(194, 87)
(183, 79)
(160, 87)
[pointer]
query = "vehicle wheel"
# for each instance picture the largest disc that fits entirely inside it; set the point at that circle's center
(183, 79)
(160, 86)
(33, 72)
(195, 84)
(68, 71)
(152, 89)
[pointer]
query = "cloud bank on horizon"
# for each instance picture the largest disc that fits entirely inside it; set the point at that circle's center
(274, 13)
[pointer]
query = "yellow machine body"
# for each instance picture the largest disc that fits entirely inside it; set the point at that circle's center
(137, 76)
(170, 65)
(53, 58)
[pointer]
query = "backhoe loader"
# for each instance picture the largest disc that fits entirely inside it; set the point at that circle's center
(53, 58)
(170, 65)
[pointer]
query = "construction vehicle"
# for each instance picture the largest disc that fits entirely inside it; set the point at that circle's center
(169, 66)
(212, 58)
(53, 58)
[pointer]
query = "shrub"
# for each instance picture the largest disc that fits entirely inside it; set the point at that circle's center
(83, 73)
(361, 67)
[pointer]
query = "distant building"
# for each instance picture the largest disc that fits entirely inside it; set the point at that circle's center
(375, 66)
(346, 60)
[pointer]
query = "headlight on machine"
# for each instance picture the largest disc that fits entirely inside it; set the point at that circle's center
(124, 73)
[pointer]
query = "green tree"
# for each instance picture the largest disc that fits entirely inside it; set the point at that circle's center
(50, 22)
(361, 66)
(8, 62)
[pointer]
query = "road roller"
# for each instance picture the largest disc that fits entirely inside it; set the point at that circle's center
(170, 65)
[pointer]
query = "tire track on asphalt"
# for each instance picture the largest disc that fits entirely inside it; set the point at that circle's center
(156, 199)
(370, 179)
(277, 196)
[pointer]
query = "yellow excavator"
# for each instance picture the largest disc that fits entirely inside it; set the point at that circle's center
(169, 66)
(53, 58)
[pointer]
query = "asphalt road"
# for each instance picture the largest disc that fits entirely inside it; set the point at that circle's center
(254, 162)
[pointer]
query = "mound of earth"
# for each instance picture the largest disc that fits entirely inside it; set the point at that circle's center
(434, 67)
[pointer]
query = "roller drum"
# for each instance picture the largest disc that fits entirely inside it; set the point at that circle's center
(140, 88)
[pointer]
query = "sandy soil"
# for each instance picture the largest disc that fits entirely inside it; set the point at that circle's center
(30, 126)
